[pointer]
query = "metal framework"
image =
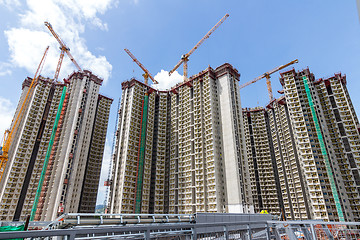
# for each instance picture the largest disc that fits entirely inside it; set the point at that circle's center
(278, 230)
(267, 76)
(146, 74)
(64, 49)
(185, 57)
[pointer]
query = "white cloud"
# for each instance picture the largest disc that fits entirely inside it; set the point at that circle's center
(104, 172)
(7, 111)
(166, 81)
(10, 3)
(68, 18)
(5, 69)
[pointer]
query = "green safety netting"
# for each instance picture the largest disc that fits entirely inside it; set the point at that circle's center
(323, 151)
(141, 156)
(12, 228)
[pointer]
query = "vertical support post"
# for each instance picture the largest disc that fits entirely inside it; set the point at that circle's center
(194, 234)
(185, 65)
(276, 232)
(313, 231)
(268, 83)
(249, 232)
(226, 232)
(147, 234)
(268, 231)
(72, 236)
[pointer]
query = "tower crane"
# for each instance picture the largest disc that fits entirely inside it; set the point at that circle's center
(142, 138)
(146, 74)
(64, 49)
(267, 76)
(185, 57)
(8, 136)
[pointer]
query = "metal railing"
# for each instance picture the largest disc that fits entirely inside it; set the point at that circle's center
(94, 219)
(279, 230)
(152, 231)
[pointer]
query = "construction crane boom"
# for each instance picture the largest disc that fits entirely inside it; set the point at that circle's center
(64, 49)
(267, 76)
(185, 58)
(58, 67)
(8, 136)
(146, 74)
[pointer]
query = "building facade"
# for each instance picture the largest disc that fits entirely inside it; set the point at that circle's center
(262, 161)
(303, 150)
(325, 129)
(73, 150)
(288, 173)
(182, 150)
(194, 149)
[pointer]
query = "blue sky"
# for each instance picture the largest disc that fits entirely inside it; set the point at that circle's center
(258, 36)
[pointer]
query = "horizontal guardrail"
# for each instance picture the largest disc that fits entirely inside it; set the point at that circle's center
(147, 231)
(307, 229)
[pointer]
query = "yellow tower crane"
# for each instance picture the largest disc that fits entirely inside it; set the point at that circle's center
(267, 76)
(64, 49)
(9, 133)
(185, 57)
(146, 74)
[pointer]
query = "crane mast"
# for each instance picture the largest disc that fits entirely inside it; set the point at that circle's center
(64, 49)
(185, 57)
(8, 136)
(267, 76)
(146, 74)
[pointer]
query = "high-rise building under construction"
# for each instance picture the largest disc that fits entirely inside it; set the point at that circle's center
(310, 138)
(261, 161)
(328, 142)
(182, 150)
(64, 125)
(193, 149)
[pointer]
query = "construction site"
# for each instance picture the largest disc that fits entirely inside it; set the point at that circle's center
(189, 162)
